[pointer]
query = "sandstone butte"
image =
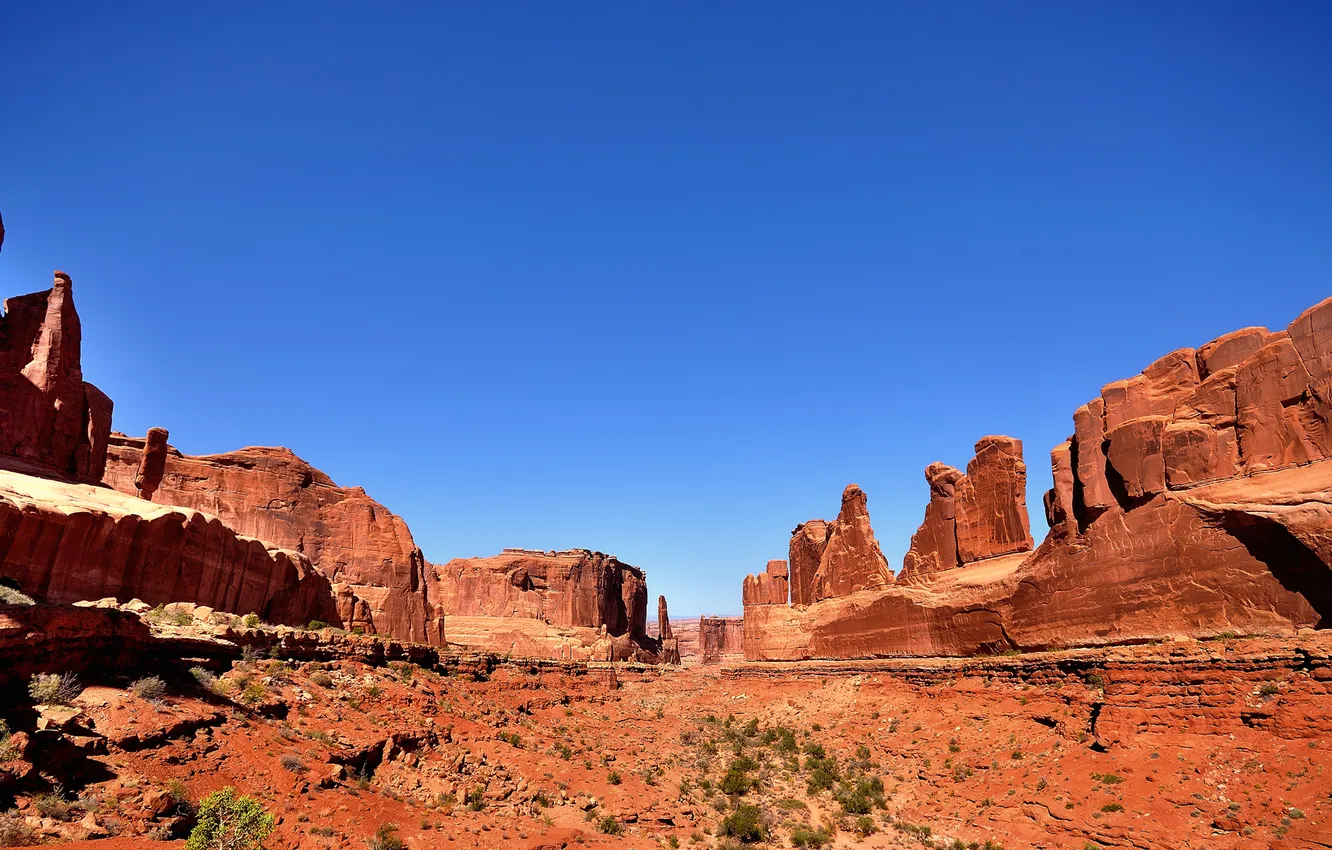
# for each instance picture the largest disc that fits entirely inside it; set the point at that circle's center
(86, 513)
(1192, 499)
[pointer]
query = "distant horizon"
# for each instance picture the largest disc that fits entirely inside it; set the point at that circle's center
(658, 282)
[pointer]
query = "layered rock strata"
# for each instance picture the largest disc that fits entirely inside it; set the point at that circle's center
(65, 542)
(721, 639)
(367, 552)
(1194, 498)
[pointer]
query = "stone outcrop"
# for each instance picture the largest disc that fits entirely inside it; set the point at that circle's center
(152, 463)
(1194, 498)
(769, 587)
(808, 540)
(65, 542)
(52, 422)
(670, 647)
(721, 639)
(851, 559)
(577, 588)
(972, 517)
(381, 580)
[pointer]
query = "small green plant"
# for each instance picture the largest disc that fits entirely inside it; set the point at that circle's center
(1108, 778)
(151, 688)
(322, 680)
(386, 839)
(609, 826)
(254, 692)
(745, 824)
(203, 677)
(804, 836)
(293, 763)
(476, 799)
(865, 826)
(54, 688)
(55, 805)
(227, 821)
(1112, 807)
(250, 621)
(319, 626)
(614, 777)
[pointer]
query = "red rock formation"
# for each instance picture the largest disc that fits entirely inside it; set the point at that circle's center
(934, 545)
(50, 418)
(382, 581)
(1159, 524)
(670, 647)
(852, 560)
(992, 502)
(972, 517)
(66, 542)
(722, 638)
(576, 588)
(767, 588)
(808, 540)
(152, 463)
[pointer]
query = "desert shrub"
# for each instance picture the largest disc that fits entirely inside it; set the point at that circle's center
(56, 805)
(614, 778)
(1108, 778)
(180, 617)
(11, 596)
(7, 750)
(1112, 807)
(319, 626)
(323, 680)
(865, 826)
(293, 763)
(804, 836)
(181, 795)
(204, 677)
(736, 782)
(386, 839)
(476, 799)
(1268, 689)
(745, 824)
(149, 687)
(860, 798)
(230, 822)
(250, 621)
(609, 826)
(254, 692)
(54, 688)
(15, 833)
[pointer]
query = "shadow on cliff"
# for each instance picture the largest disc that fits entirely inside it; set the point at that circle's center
(1297, 568)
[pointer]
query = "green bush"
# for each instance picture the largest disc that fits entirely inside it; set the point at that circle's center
(609, 826)
(614, 777)
(230, 822)
(385, 839)
(745, 824)
(803, 836)
(54, 688)
(865, 826)
(319, 626)
(323, 680)
(204, 677)
(250, 621)
(151, 688)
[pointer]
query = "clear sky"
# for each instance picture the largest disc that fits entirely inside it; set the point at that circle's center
(658, 279)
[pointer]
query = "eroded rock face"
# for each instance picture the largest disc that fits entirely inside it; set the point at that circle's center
(722, 638)
(934, 545)
(50, 418)
(577, 587)
(851, 559)
(808, 541)
(670, 647)
(769, 587)
(1160, 524)
(380, 578)
(65, 542)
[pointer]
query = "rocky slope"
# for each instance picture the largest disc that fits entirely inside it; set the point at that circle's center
(1194, 498)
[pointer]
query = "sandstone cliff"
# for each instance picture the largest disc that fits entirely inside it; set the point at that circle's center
(721, 639)
(66, 542)
(575, 589)
(1193, 498)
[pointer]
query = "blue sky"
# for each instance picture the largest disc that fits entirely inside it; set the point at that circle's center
(656, 279)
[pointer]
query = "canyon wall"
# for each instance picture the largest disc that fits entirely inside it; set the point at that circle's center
(65, 542)
(1194, 498)
(721, 639)
(364, 549)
